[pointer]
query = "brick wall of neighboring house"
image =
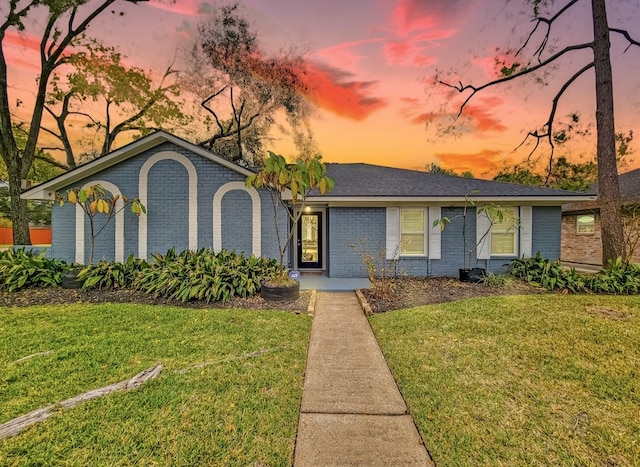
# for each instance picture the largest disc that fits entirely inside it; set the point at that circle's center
(584, 248)
(580, 248)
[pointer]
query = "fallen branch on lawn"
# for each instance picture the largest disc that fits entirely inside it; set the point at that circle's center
(17, 425)
(255, 353)
(37, 354)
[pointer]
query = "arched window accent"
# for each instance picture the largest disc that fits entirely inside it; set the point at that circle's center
(256, 242)
(143, 185)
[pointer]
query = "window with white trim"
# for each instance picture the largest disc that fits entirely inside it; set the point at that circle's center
(504, 235)
(585, 224)
(412, 232)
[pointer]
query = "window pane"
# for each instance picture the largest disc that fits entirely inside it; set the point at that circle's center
(503, 243)
(412, 220)
(508, 220)
(586, 224)
(412, 244)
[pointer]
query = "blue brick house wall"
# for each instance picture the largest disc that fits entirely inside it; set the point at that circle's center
(167, 209)
(547, 228)
(348, 225)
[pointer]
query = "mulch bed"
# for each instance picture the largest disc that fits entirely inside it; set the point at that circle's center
(61, 296)
(407, 293)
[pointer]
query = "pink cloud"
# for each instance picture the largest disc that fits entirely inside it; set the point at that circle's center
(410, 16)
(406, 53)
(344, 55)
(22, 41)
(493, 64)
(182, 7)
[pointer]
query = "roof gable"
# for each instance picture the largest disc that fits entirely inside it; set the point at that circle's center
(47, 189)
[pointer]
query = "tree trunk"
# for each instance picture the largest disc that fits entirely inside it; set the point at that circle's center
(609, 189)
(19, 215)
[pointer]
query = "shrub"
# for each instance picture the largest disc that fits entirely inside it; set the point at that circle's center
(111, 274)
(546, 273)
(618, 277)
(23, 268)
(204, 275)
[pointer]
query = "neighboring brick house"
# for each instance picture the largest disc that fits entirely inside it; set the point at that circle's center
(196, 199)
(581, 231)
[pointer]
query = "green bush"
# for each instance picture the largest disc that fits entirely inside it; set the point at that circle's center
(23, 268)
(204, 275)
(111, 274)
(617, 278)
(543, 272)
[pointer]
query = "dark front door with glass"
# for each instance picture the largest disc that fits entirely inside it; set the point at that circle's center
(310, 241)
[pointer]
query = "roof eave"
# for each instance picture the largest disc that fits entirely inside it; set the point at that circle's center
(445, 200)
(46, 190)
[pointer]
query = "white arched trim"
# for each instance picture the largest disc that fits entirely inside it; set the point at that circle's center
(119, 220)
(143, 186)
(256, 244)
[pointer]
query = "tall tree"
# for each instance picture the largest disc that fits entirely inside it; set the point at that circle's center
(65, 21)
(246, 87)
(127, 99)
(612, 235)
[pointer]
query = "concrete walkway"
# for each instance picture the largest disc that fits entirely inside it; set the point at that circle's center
(352, 412)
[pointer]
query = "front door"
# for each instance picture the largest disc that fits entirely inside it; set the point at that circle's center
(310, 241)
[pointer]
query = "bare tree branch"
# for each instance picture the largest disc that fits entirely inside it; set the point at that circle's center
(548, 135)
(53, 162)
(548, 22)
(627, 36)
(476, 89)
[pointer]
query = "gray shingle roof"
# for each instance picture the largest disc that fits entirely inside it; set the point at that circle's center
(366, 180)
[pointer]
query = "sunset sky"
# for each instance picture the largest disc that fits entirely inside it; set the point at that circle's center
(374, 61)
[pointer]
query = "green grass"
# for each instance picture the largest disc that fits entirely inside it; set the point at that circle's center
(522, 380)
(236, 410)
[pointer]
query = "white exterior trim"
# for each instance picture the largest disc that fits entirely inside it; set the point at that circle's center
(119, 223)
(256, 244)
(526, 231)
(483, 236)
(435, 233)
(143, 182)
(393, 231)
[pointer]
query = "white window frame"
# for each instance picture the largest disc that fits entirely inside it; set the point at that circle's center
(592, 224)
(424, 232)
(513, 230)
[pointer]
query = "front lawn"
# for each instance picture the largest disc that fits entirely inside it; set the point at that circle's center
(229, 393)
(521, 380)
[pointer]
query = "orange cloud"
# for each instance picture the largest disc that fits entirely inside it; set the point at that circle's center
(333, 91)
(485, 163)
(482, 118)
